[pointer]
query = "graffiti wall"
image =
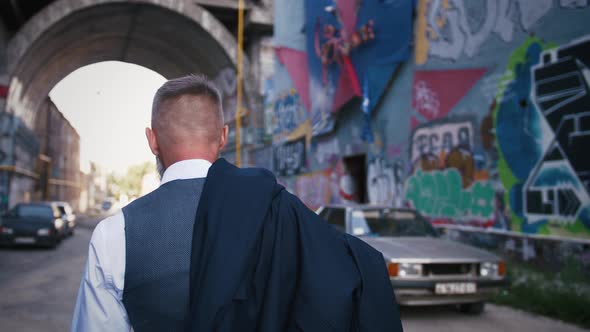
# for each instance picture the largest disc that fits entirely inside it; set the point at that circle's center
(485, 124)
(502, 145)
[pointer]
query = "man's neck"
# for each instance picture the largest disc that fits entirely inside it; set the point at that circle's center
(174, 158)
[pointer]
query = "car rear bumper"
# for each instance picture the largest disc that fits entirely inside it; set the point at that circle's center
(422, 292)
(41, 241)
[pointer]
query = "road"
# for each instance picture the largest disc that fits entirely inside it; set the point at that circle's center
(38, 289)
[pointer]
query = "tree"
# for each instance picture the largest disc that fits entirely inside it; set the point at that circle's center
(130, 184)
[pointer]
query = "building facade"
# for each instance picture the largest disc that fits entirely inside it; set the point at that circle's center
(59, 159)
(18, 159)
(482, 124)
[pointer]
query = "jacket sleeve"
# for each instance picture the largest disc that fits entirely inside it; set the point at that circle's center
(376, 308)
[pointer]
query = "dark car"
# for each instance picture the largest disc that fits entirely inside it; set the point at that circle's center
(424, 269)
(68, 216)
(37, 224)
(107, 205)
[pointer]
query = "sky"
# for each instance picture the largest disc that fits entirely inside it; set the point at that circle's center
(109, 104)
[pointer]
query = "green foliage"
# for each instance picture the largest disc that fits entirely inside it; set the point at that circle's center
(130, 183)
(577, 228)
(564, 295)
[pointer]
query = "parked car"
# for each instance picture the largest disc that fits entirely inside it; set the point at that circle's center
(68, 217)
(32, 224)
(424, 269)
(108, 205)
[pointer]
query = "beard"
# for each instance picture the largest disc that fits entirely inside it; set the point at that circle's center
(160, 167)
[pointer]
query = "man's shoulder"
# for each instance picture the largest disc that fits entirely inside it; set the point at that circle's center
(146, 199)
(109, 225)
(226, 178)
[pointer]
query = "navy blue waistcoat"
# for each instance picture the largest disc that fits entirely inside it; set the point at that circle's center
(158, 239)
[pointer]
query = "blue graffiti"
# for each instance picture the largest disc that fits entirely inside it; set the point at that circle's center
(555, 176)
(584, 216)
(518, 122)
(533, 228)
(289, 113)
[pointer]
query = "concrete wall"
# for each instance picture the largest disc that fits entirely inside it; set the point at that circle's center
(465, 133)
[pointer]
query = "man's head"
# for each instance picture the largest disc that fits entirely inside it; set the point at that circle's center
(187, 121)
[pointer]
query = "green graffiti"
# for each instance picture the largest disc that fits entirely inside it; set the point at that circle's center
(440, 194)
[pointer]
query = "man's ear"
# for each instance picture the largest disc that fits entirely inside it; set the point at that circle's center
(152, 141)
(224, 133)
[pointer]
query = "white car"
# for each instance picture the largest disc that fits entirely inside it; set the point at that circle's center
(424, 269)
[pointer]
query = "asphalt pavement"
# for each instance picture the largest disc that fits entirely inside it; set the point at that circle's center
(38, 290)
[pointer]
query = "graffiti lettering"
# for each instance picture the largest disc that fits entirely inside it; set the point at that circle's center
(437, 138)
(426, 100)
(561, 179)
(327, 150)
(289, 114)
(314, 189)
(446, 32)
(289, 158)
(385, 182)
(441, 194)
(262, 157)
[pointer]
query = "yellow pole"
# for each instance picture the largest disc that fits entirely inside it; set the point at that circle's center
(239, 87)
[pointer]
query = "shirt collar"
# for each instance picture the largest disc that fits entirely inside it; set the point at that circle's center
(186, 169)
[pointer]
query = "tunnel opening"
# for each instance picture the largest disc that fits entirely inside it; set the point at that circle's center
(172, 38)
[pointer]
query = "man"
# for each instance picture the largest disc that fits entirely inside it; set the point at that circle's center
(219, 248)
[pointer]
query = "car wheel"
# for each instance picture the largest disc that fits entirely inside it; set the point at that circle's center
(472, 308)
(53, 245)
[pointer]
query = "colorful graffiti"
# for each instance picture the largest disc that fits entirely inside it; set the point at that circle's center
(262, 157)
(485, 134)
(439, 138)
(290, 157)
(433, 96)
(445, 144)
(560, 181)
(540, 129)
(444, 29)
(385, 182)
(327, 150)
(289, 116)
(441, 194)
(314, 189)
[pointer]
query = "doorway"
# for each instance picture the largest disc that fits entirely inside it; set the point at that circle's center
(355, 167)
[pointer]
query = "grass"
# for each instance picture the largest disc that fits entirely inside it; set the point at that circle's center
(564, 294)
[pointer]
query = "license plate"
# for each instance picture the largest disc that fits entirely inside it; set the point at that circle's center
(24, 240)
(455, 288)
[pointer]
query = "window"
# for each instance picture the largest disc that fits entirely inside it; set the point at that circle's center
(34, 211)
(336, 218)
(390, 222)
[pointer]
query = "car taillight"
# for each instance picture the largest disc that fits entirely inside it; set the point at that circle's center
(501, 269)
(393, 269)
(6, 230)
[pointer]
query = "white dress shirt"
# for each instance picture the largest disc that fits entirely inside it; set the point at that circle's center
(99, 305)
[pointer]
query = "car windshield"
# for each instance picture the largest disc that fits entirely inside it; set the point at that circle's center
(390, 222)
(34, 211)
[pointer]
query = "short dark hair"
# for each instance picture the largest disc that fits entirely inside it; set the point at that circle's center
(194, 85)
